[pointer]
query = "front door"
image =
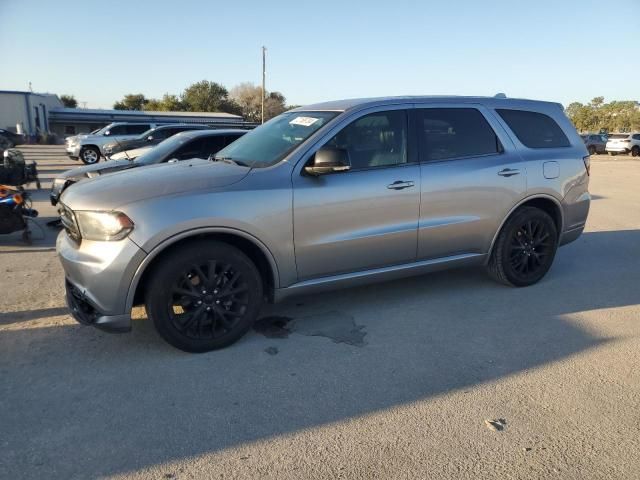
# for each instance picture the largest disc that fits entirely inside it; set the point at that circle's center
(471, 178)
(366, 217)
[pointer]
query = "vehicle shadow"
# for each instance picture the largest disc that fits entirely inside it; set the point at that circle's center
(79, 402)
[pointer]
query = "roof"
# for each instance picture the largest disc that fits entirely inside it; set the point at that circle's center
(347, 104)
(20, 92)
(202, 133)
(141, 113)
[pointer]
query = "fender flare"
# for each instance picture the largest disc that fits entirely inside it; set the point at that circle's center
(167, 242)
(518, 205)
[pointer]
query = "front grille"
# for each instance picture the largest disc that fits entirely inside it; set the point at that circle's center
(68, 220)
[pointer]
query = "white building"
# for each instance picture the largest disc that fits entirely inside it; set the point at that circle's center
(29, 110)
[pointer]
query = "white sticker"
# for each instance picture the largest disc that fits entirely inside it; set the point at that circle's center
(304, 121)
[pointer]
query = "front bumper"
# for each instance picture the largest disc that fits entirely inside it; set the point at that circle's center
(73, 151)
(98, 276)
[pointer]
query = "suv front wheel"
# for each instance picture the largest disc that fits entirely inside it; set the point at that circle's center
(525, 248)
(204, 296)
(89, 155)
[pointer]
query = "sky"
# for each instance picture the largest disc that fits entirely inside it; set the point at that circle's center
(98, 51)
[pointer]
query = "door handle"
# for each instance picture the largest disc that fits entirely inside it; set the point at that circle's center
(508, 172)
(399, 185)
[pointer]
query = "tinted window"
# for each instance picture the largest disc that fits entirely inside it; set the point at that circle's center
(136, 129)
(446, 133)
(534, 130)
(214, 144)
(375, 140)
(117, 130)
(193, 149)
(636, 137)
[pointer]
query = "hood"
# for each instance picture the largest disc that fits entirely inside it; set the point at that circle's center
(89, 171)
(135, 153)
(110, 192)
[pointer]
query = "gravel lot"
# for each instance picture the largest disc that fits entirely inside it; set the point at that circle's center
(395, 380)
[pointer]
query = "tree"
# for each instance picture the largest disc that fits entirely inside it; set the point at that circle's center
(131, 101)
(249, 98)
(205, 96)
(169, 103)
(69, 101)
(600, 116)
(274, 105)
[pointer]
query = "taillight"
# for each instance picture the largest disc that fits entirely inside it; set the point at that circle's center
(587, 164)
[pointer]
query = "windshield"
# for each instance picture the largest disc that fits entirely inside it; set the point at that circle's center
(271, 142)
(158, 153)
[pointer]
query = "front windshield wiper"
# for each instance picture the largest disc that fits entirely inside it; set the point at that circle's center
(231, 161)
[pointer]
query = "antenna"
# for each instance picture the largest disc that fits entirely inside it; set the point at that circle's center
(264, 93)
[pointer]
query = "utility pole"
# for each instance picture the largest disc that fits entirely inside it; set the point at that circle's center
(264, 50)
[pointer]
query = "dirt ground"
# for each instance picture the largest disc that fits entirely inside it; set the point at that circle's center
(444, 376)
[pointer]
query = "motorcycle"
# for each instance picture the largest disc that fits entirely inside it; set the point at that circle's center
(15, 171)
(15, 210)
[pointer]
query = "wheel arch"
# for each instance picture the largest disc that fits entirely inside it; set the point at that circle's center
(259, 254)
(546, 203)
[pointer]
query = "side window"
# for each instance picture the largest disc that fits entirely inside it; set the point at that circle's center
(533, 129)
(136, 129)
(230, 139)
(118, 130)
(193, 149)
(636, 136)
(375, 140)
(162, 133)
(446, 133)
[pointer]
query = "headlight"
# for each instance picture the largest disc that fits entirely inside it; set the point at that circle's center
(104, 226)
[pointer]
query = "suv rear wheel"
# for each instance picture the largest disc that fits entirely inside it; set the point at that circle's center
(89, 155)
(635, 151)
(592, 150)
(204, 296)
(525, 248)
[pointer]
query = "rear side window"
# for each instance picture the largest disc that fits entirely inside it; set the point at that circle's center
(446, 133)
(137, 129)
(533, 129)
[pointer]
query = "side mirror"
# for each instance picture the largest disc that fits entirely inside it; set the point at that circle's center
(150, 138)
(329, 160)
(173, 160)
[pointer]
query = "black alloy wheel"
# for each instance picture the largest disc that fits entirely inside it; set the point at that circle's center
(204, 295)
(525, 248)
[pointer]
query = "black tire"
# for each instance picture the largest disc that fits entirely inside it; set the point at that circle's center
(525, 248)
(194, 321)
(635, 151)
(89, 155)
(592, 150)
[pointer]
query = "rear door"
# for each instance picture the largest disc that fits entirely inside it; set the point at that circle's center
(471, 178)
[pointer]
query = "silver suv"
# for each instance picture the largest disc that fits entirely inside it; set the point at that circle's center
(325, 196)
(90, 147)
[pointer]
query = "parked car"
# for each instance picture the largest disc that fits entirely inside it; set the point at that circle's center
(325, 196)
(595, 143)
(182, 146)
(151, 137)
(89, 148)
(130, 154)
(9, 139)
(624, 143)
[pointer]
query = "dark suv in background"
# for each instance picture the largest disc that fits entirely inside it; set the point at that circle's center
(188, 145)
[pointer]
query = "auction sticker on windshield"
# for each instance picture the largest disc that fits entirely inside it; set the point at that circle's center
(304, 121)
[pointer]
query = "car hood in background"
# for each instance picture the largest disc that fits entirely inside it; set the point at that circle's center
(135, 153)
(90, 171)
(112, 191)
